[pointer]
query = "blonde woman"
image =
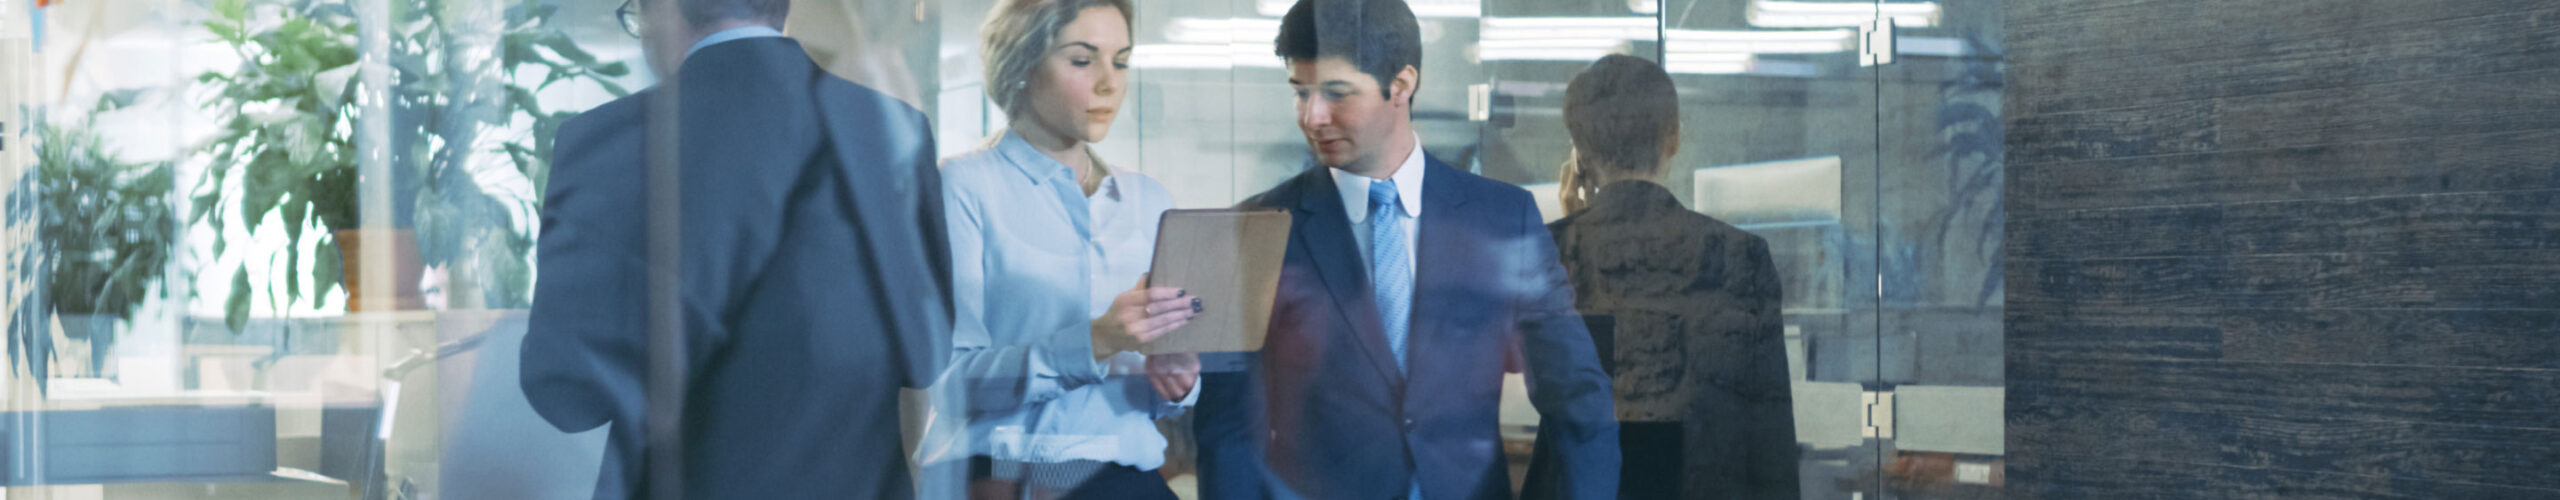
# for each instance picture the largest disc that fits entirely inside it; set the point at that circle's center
(1050, 246)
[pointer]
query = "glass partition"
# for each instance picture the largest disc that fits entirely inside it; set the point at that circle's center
(285, 248)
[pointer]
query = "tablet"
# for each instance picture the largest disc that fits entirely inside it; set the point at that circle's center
(1230, 260)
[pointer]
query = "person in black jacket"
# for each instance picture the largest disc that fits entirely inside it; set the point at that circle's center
(1702, 389)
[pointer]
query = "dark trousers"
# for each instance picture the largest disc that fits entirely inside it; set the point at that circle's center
(1651, 467)
(1650, 461)
(1002, 480)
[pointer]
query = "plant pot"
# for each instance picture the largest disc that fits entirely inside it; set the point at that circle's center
(407, 268)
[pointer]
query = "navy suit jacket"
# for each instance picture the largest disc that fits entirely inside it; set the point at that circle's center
(1344, 422)
(815, 279)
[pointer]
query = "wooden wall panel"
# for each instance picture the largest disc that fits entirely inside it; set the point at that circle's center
(2465, 453)
(2466, 222)
(2527, 159)
(2283, 249)
(2105, 76)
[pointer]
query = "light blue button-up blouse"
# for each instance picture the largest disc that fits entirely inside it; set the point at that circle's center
(1035, 261)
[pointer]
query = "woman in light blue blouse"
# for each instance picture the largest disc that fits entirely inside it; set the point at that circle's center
(1045, 398)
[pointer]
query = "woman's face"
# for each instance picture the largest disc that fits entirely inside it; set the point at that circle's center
(1077, 90)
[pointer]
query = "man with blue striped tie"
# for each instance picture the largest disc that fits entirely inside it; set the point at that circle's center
(1406, 285)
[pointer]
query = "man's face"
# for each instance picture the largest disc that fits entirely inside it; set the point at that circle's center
(1350, 121)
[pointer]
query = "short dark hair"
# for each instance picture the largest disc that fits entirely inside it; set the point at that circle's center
(700, 13)
(1620, 113)
(1381, 37)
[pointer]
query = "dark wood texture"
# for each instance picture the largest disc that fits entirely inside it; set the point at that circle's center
(2283, 249)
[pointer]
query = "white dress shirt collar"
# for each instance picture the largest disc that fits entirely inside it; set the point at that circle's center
(1042, 168)
(1355, 187)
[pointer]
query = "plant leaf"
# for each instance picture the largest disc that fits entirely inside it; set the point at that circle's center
(295, 213)
(235, 311)
(205, 204)
(234, 10)
(559, 43)
(613, 88)
(293, 272)
(334, 85)
(265, 184)
(616, 69)
(328, 269)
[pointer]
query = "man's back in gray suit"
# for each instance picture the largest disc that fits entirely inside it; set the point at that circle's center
(814, 281)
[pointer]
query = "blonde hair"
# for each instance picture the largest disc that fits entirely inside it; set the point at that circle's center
(1019, 34)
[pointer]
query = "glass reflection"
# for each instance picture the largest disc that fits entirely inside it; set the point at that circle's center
(354, 190)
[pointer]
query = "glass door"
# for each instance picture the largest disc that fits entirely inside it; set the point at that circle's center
(1939, 223)
(1778, 140)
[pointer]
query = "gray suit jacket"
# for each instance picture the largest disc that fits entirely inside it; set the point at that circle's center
(815, 279)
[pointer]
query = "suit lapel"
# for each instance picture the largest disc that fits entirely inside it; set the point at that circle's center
(1328, 239)
(1441, 236)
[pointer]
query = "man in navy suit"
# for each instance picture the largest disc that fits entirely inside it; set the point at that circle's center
(1406, 286)
(810, 275)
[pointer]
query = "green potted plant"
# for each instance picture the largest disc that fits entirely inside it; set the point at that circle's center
(452, 94)
(288, 140)
(105, 229)
(291, 141)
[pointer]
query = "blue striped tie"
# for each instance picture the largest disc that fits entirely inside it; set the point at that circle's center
(1390, 274)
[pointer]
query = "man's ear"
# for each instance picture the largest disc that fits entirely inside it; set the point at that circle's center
(1407, 83)
(1671, 144)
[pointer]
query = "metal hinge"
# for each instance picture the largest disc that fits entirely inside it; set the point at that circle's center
(1875, 42)
(1480, 102)
(1877, 420)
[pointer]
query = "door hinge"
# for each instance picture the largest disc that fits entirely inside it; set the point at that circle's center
(1877, 420)
(1875, 42)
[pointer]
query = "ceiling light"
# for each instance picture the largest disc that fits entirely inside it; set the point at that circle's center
(1421, 8)
(1789, 14)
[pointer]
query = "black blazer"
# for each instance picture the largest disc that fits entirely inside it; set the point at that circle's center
(1699, 337)
(1345, 423)
(815, 279)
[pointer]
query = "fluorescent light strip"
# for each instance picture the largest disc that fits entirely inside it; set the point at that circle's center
(1579, 43)
(1557, 33)
(1677, 46)
(1203, 56)
(1706, 58)
(1494, 23)
(1833, 35)
(1421, 8)
(1930, 46)
(1543, 54)
(1211, 30)
(1751, 66)
(1787, 14)
(1552, 28)
(1714, 68)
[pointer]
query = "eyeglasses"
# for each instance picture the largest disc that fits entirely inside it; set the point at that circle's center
(629, 14)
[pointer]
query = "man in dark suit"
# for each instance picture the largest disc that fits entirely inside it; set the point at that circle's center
(810, 274)
(1406, 285)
